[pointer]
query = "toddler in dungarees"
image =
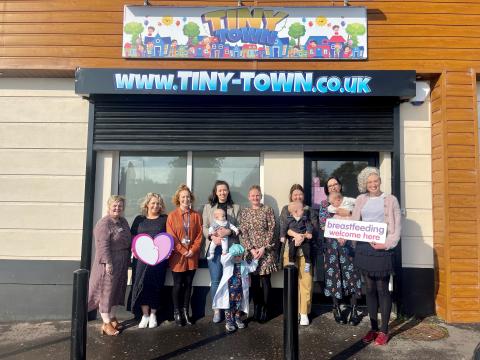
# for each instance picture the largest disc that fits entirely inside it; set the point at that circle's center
(233, 292)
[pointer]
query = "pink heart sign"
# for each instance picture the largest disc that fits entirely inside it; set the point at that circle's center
(152, 251)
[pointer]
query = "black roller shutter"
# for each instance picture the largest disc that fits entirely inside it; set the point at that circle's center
(243, 123)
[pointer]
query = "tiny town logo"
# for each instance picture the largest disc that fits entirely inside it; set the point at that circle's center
(256, 26)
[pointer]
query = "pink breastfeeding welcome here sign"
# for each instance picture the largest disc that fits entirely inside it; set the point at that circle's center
(356, 230)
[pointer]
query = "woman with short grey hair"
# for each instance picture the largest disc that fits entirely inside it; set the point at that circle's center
(376, 260)
(108, 279)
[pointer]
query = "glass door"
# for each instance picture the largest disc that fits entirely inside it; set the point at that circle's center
(345, 166)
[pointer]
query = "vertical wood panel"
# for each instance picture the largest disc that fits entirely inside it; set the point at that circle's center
(456, 213)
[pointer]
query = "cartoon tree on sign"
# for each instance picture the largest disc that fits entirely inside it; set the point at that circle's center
(191, 30)
(134, 29)
(353, 31)
(296, 31)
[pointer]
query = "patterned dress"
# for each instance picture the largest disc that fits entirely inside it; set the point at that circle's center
(341, 278)
(235, 293)
(112, 246)
(257, 228)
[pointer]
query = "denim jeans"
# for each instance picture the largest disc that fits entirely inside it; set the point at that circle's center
(215, 268)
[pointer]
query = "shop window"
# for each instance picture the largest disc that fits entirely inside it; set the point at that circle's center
(140, 174)
(162, 172)
(319, 167)
(240, 170)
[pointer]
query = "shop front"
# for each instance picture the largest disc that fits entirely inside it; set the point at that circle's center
(100, 98)
(272, 128)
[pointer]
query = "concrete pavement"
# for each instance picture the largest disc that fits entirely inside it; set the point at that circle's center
(323, 339)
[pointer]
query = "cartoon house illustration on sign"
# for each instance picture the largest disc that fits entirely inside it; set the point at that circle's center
(336, 44)
(357, 52)
(162, 45)
(279, 48)
(249, 51)
(220, 50)
(149, 43)
(235, 51)
(317, 47)
(261, 52)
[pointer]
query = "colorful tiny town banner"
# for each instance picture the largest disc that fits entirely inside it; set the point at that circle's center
(316, 33)
(356, 230)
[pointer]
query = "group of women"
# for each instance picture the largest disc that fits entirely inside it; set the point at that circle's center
(337, 260)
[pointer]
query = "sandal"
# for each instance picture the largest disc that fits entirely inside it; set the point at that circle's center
(116, 324)
(109, 330)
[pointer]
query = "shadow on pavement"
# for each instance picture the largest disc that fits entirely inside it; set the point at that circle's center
(190, 347)
(350, 352)
(34, 347)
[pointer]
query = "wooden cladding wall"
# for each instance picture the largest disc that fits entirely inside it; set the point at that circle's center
(456, 201)
(427, 36)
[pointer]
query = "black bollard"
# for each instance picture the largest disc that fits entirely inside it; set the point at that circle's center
(290, 313)
(78, 335)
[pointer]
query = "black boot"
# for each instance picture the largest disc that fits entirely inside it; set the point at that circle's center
(257, 313)
(263, 314)
(354, 317)
(177, 317)
(337, 313)
(185, 316)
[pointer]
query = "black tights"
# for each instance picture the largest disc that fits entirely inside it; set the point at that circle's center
(378, 294)
(182, 288)
(260, 295)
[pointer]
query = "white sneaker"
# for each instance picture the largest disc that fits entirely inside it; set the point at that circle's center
(152, 321)
(217, 317)
(144, 322)
(240, 324)
(304, 320)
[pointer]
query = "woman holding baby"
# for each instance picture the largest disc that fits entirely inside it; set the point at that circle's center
(220, 198)
(341, 278)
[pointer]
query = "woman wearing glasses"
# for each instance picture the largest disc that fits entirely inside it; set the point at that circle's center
(341, 278)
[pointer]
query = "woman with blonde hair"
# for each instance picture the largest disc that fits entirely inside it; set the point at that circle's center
(108, 279)
(376, 260)
(148, 279)
(185, 225)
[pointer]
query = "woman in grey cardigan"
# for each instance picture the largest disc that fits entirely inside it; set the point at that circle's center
(220, 198)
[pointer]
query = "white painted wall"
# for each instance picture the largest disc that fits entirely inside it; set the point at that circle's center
(416, 185)
(43, 138)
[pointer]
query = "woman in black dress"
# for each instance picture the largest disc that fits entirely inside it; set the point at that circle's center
(149, 280)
